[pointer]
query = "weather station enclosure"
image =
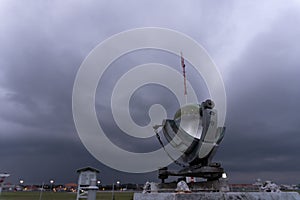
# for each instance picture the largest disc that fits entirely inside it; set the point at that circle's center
(87, 183)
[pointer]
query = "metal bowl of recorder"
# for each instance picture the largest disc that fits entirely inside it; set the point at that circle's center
(194, 133)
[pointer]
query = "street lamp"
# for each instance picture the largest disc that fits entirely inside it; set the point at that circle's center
(113, 186)
(21, 184)
(98, 184)
(52, 181)
(118, 185)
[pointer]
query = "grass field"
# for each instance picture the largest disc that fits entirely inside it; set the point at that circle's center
(61, 196)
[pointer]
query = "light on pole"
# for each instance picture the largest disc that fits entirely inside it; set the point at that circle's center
(98, 184)
(21, 184)
(113, 188)
(51, 182)
(118, 185)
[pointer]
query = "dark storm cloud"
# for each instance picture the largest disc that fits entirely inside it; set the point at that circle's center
(44, 43)
(38, 65)
(263, 95)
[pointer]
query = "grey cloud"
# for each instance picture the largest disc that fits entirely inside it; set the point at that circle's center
(263, 115)
(44, 43)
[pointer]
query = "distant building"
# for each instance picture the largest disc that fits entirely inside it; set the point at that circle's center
(71, 187)
(30, 188)
(8, 187)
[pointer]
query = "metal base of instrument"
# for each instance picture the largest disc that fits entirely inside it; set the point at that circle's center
(211, 172)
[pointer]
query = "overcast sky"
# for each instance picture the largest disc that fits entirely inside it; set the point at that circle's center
(255, 45)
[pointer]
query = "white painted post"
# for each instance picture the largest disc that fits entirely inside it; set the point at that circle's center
(92, 190)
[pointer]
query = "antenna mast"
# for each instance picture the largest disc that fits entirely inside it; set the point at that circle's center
(184, 76)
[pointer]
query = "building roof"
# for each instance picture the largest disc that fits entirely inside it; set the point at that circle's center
(88, 169)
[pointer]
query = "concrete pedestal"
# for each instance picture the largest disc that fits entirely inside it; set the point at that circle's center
(219, 196)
